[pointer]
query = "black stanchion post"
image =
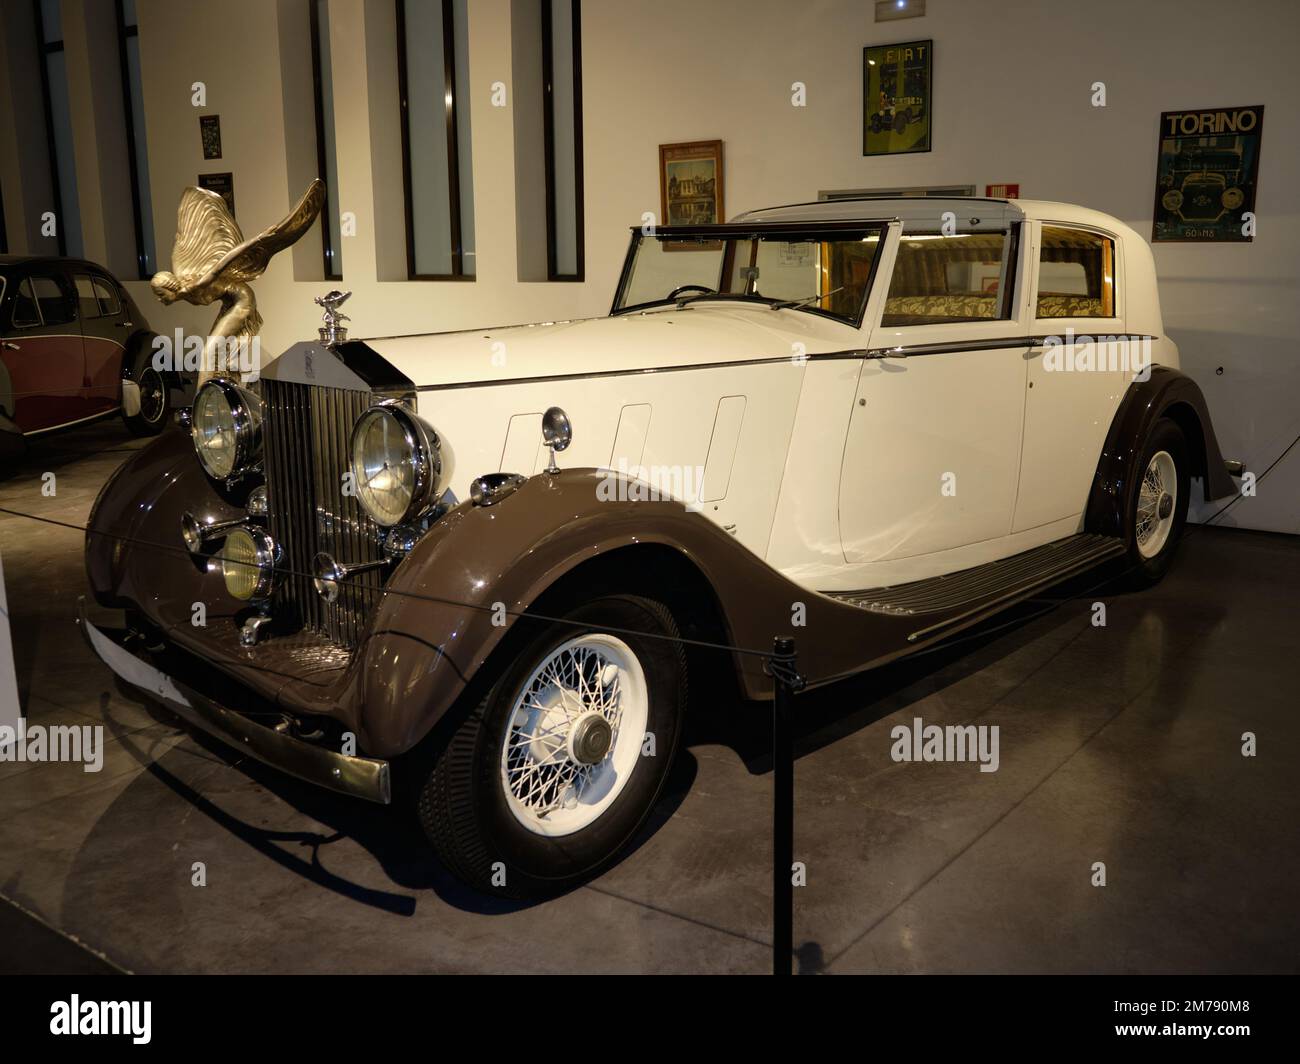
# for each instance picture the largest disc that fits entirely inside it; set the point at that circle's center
(786, 681)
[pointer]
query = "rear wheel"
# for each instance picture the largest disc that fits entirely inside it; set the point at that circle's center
(1158, 503)
(557, 766)
(155, 399)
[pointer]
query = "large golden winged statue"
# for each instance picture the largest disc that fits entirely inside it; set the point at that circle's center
(212, 261)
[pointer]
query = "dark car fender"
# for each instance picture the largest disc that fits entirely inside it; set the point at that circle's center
(1167, 393)
(434, 629)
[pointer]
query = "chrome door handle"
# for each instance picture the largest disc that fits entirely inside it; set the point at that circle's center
(9, 345)
(125, 324)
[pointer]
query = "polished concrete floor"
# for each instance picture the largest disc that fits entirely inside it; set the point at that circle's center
(1119, 744)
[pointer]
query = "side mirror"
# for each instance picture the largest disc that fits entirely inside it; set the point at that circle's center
(557, 434)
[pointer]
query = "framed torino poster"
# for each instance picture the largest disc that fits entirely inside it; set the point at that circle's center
(896, 93)
(1206, 171)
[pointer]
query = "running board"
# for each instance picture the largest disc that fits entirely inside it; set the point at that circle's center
(987, 587)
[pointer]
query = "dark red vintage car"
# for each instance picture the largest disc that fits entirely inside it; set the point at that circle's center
(74, 347)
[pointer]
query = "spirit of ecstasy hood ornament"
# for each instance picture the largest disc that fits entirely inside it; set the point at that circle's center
(213, 263)
(333, 331)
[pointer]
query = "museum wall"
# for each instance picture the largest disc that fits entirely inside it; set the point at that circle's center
(1013, 88)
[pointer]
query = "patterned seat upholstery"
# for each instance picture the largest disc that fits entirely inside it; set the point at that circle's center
(959, 307)
(1060, 305)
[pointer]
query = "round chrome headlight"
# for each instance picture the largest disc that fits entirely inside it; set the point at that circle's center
(247, 562)
(396, 464)
(226, 428)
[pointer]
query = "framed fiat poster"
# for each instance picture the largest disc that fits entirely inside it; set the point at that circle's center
(896, 92)
(1207, 167)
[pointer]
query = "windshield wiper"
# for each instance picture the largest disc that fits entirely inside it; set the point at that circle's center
(795, 304)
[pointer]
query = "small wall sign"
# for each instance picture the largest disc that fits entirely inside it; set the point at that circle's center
(210, 131)
(223, 185)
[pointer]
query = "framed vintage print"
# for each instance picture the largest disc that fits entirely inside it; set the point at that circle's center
(1207, 167)
(690, 183)
(210, 133)
(896, 97)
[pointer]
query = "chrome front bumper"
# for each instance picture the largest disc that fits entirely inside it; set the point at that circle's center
(360, 777)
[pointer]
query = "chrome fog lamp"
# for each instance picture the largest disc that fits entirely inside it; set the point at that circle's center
(257, 502)
(396, 464)
(247, 561)
(226, 428)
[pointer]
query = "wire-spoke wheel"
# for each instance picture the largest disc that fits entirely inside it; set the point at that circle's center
(1158, 502)
(563, 756)
(1157, 495)
(155, 402)
(575, 735)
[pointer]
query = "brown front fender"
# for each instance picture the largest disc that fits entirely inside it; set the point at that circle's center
(435, 627)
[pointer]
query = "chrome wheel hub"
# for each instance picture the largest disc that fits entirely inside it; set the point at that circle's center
(590, 739)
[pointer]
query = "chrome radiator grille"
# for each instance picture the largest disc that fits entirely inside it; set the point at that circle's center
(305, 434)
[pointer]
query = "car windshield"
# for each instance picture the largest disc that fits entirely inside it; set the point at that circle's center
(820, 271)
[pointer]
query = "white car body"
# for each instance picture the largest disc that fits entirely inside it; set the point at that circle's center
(831, 469)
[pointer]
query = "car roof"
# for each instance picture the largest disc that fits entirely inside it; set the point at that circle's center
(916, 212)
(50, 260)
(914, 209)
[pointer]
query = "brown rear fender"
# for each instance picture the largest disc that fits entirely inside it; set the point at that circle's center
(1168, 393)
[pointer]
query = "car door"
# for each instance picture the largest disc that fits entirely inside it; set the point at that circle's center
(932, 455)
(43, 353)
(1077, 370)
(104, 330)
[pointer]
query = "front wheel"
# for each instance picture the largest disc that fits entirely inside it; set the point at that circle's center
(560, 762)
(1158, 503)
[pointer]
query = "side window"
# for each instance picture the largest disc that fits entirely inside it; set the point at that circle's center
(26, 313)
(87, 301)
(106, 291)
(939, 279)
(1076, 274)
(57, 305)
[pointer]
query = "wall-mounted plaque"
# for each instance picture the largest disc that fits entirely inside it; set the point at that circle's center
(223, 185)
(210, 131)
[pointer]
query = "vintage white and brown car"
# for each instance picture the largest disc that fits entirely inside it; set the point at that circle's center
(478, 567)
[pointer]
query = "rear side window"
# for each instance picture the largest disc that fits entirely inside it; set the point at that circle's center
(57, 306)
(87, 301)
(1076, 274)
(939, 279)
(26, 314)
(107, 295)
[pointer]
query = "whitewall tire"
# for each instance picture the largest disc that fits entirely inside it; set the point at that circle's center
(560, 760)
(1157, 509)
